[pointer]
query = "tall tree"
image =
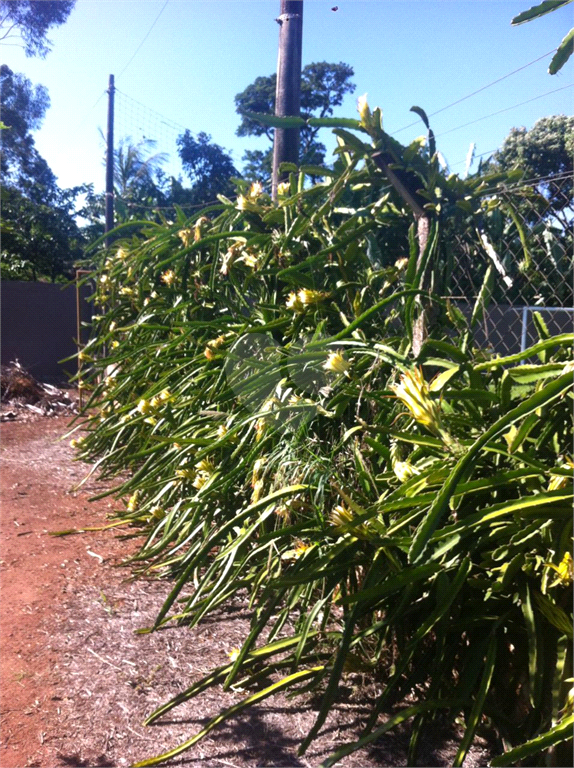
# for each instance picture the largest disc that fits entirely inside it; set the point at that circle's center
(209, 167)
(30, 20)
(323, 87)
(23, 108)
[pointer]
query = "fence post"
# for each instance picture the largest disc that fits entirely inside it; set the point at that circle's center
(288, 91)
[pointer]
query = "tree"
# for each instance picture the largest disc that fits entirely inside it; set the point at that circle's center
(30, 21)
(23, 108)
(544, 151)
(40, 240)
(209, 167)
(323, 87)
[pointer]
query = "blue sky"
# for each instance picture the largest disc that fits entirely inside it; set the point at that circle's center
(200, 53)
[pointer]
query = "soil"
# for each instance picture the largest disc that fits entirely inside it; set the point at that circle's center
(77, 682)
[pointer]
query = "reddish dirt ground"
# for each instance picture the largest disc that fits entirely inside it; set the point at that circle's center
(77, 682)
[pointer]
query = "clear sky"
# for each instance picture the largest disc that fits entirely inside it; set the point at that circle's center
(200, 53)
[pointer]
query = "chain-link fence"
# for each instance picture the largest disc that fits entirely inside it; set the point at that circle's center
(522, 266)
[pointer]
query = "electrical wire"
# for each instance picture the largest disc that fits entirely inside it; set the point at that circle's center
(484, 87)
(145, 38)
(506, 109)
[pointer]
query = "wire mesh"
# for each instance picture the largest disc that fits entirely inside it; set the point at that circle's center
(521, 264)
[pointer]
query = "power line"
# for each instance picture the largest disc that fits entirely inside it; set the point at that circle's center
(145, 38)
(484, 87)
(506, 109)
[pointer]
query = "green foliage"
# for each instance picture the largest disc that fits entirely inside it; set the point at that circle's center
(566, 47)
(253, 390)
(208, 165)
(323, 87)
(30, 20)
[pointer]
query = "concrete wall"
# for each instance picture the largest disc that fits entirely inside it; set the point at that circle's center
(38, 326)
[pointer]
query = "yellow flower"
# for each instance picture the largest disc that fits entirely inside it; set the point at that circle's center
(294, 302)
(115, 344)
(283, 188)
(401, 264)
(256, 189)
(126, 291)
(307, 296)
(168, 277)
(157, 512)
(257, 467)
(200, 480)
(222, 431)
(336, 363)
(144, 406)
(233, 654)
(565, 570)
(557, 482)
(414, 392)
(363, 109)
(84, 358)
(340, 517)
(300, 549)
(121, 254)
(104, 279)
(242, 203)
(151, 420)
(165, 396)
(133, 502)
(186, 236)
(404, 470)
(205, 465)
(112, 326)
(185, 474)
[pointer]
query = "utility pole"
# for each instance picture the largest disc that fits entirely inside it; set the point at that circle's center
(110, 162)
(288, 93)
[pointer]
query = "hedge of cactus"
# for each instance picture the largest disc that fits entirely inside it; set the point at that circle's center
(254, 391)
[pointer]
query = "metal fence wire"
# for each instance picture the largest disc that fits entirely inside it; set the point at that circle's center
(521, 264)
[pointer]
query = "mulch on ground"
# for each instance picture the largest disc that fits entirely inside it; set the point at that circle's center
(77, 682)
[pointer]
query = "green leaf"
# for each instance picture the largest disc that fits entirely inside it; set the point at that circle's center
(538, 10)
(286, 682)
(274, 121)
(563, 53)
(335, 122)
(557, 734)
(440, 505)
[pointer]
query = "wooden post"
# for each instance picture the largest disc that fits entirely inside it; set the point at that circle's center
(110, 162)
(288, 93)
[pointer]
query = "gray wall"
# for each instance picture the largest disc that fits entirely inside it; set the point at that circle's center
(38, 326)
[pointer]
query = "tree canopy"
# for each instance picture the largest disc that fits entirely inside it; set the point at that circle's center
(30, 21)
(209, 167)
(323, 87)
(23, 108)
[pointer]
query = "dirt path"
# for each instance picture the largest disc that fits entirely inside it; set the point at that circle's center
(77, 682)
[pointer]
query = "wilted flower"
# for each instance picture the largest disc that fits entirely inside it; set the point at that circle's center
(151, 420)
(257, 490)
(133, 502)
(168, 277)
(186, 236)
(336, 363)
(222, 431)
(199, 225)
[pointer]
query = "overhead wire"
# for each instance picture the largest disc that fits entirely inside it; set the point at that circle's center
(506, 109)
(479, 90)
(144, 39)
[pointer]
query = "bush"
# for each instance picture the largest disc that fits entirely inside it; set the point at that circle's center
(405, 516)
